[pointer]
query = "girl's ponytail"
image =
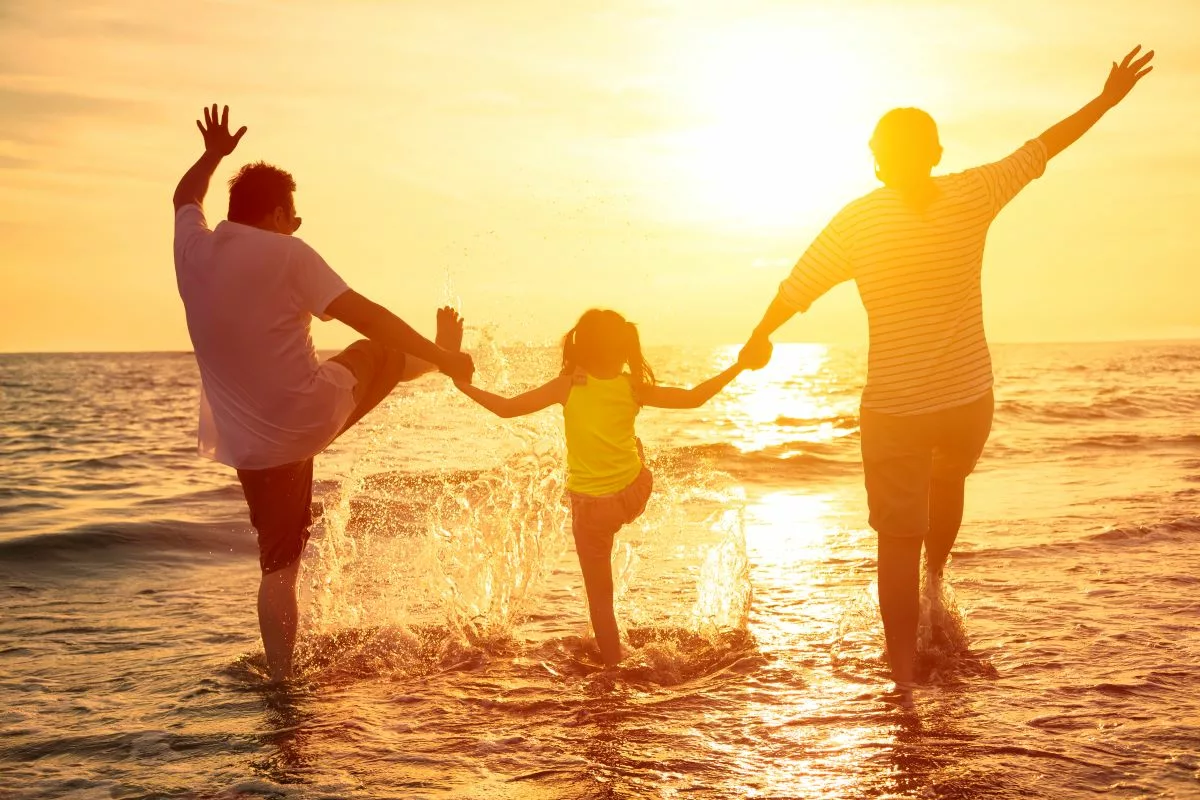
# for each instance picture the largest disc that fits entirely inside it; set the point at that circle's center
(638, 368)
(569, 358)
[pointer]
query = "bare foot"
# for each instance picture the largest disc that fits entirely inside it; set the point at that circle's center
(449, 329)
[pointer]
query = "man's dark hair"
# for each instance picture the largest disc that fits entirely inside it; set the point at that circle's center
(257, 190)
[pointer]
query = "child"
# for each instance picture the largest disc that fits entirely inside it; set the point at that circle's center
(606, 479)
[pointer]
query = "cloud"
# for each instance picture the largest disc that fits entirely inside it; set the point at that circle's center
(32, 116)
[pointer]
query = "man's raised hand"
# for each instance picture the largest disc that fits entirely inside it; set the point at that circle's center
(1123, 76)
(217, 139)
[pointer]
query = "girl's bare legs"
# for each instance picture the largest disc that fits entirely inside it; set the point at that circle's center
(597, 579)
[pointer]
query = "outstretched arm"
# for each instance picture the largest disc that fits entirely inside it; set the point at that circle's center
(546, 395)
(674, 397)
(826, 263)
(218, 143)
(1121, 79)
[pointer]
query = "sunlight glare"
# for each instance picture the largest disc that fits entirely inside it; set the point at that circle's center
(786, 111)
(785, 388)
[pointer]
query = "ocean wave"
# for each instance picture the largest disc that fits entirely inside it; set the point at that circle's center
(112, 541)
(791, 460)
(1176, 529)
(117, 462)
(1111, 407)
(1127, 441)
(844, 422)
(1180, 529)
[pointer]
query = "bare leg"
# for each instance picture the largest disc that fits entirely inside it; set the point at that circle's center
(597, 579)
(945, 518)
(277, 617)
(378, 368)
(899, 604)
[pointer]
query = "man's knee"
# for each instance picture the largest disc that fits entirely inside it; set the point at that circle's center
(370, 362)
(898, 515)
(281, 568)
(900, 536)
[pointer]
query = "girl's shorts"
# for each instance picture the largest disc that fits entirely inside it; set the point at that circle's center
(596, 520)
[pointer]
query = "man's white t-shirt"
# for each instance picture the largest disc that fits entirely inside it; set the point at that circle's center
(250, 296)
(918, 274)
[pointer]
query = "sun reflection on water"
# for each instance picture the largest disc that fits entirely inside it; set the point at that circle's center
(795, 399)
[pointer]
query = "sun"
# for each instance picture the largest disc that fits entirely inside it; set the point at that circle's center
(781, 114)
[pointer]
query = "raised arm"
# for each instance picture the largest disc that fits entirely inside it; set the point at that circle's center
(1121, 79)
(380, 325)
(218, 143)
(546, 395)
(674, 397)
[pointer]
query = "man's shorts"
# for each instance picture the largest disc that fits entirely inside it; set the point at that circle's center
(902, 456)
(596, 520)
(280, 500)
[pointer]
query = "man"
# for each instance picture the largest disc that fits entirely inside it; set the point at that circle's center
(250, 289)
(915, 249)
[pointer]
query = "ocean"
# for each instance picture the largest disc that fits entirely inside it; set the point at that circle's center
(444, 649)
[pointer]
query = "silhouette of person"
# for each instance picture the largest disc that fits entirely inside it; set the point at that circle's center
(914, 247)
(250, 289)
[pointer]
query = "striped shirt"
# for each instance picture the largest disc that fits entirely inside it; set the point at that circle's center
(918, 274)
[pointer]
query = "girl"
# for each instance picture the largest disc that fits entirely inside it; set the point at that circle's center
(606, 479)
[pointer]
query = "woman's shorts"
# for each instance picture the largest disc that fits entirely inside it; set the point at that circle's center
(902, 456)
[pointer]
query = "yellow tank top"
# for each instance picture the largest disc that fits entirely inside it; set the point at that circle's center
(602, 451)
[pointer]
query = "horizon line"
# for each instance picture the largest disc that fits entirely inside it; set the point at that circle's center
(1172, 340)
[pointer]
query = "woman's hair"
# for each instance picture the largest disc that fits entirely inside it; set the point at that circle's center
(905, 144)
(603, 341)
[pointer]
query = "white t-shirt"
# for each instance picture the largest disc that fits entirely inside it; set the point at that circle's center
(918, 274)
(250, 296)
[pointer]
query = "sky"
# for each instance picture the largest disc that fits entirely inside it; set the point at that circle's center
(528, 160)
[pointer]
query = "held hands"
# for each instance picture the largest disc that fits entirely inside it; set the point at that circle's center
(217, 139)
(756, 353)
(459, 367)
(1123, 76)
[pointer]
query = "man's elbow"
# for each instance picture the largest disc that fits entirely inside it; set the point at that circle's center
(181, 199)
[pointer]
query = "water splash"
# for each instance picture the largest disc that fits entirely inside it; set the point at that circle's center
(723, 590)
(943, 648)
(944, 653)
(405, 559)
(490, 543)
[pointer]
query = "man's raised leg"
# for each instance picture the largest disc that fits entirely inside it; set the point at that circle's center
(377, 369)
